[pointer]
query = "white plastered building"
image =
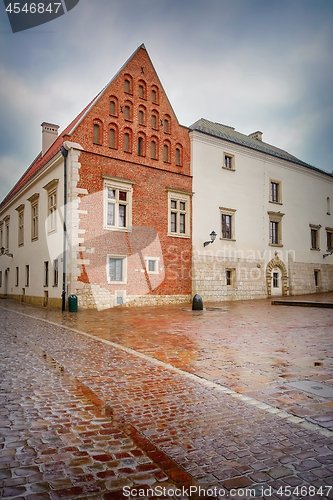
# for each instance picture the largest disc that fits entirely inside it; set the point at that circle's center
(271, 213)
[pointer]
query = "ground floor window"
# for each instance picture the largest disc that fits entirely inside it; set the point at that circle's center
(116, 269)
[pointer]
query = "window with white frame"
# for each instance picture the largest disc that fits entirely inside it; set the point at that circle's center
(20, 212)
(34, 216)
(6, 235)
(116, 269)
(117, 203)
(1, 234)
(51, 189)
(227, 223)
(179, 214)
(152, 265)
(275, 229)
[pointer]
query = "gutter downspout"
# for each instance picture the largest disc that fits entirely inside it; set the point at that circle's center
(63, 294)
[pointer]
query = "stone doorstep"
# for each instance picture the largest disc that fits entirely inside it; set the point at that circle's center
(301, 303)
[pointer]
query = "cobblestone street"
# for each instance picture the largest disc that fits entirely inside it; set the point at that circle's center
(92, 402)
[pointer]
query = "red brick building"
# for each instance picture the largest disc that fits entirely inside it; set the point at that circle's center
(127, 195)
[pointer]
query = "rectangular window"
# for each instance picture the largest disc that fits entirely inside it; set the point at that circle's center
(27, 275)
(227, 223)
(116, 269)
(0, 279)
(275, 228)
(46, 273)
(152, 265)
(226, 226)
(118, 205)
(34, 221)
(229, 277)
(275, 280)
(317, 277)
(314, 235)
(275, 194)
(55, 272)
(178, 216)
(228, 161)
(51, 189)
(1, 235)
(274, 191)
(6, 235)
(52, 207)
(20, 211)
(17, 277)
(274, 232)
(329, 239)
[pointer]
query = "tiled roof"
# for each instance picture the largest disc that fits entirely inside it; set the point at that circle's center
(230, 134)
(40, 160)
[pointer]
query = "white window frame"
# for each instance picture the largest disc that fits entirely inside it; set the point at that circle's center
(154, 259)
(117, 185)
(231, 212)
(20, 213)
(123, 281)
(52, 191)
(179, 197)
(34, 216)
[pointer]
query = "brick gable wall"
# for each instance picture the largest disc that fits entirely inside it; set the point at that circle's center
(151, 179)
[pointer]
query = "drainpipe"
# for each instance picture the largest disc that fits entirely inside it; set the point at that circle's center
(63, 295)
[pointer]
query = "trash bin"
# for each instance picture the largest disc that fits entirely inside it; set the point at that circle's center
(72, 303)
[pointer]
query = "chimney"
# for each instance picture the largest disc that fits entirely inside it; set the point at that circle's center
(256, 135)
(49, 135)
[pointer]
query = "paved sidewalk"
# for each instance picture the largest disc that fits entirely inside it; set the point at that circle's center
(221, 438)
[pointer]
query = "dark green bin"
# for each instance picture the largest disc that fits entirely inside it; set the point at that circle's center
(72, 303)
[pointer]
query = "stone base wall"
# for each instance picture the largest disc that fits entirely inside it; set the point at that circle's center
(209, 279)
(97, 297)
(51, 302)
(302, 278)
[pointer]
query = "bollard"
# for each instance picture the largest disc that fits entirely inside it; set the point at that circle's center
(197, 304)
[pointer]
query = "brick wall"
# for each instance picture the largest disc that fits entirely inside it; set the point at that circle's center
(150, 177)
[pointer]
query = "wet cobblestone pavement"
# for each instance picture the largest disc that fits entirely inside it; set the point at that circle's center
(205, 390)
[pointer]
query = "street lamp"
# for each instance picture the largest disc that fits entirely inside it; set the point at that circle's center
(212, 238)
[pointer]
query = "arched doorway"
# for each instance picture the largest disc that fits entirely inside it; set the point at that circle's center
(276, 277)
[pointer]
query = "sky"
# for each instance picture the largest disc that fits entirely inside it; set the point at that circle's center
(251, 64)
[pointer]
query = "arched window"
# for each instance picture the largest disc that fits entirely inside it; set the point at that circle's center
(167, 124)
(154, 95)
(142, 115)
(128, 141)
(154, 120)
(141, 146)
(113, 106)
(142, 89)
(97, 132)
(166, 152)
(113, 137)
(153, 150)
(128, 84)
(128, 111)
(179, 155)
